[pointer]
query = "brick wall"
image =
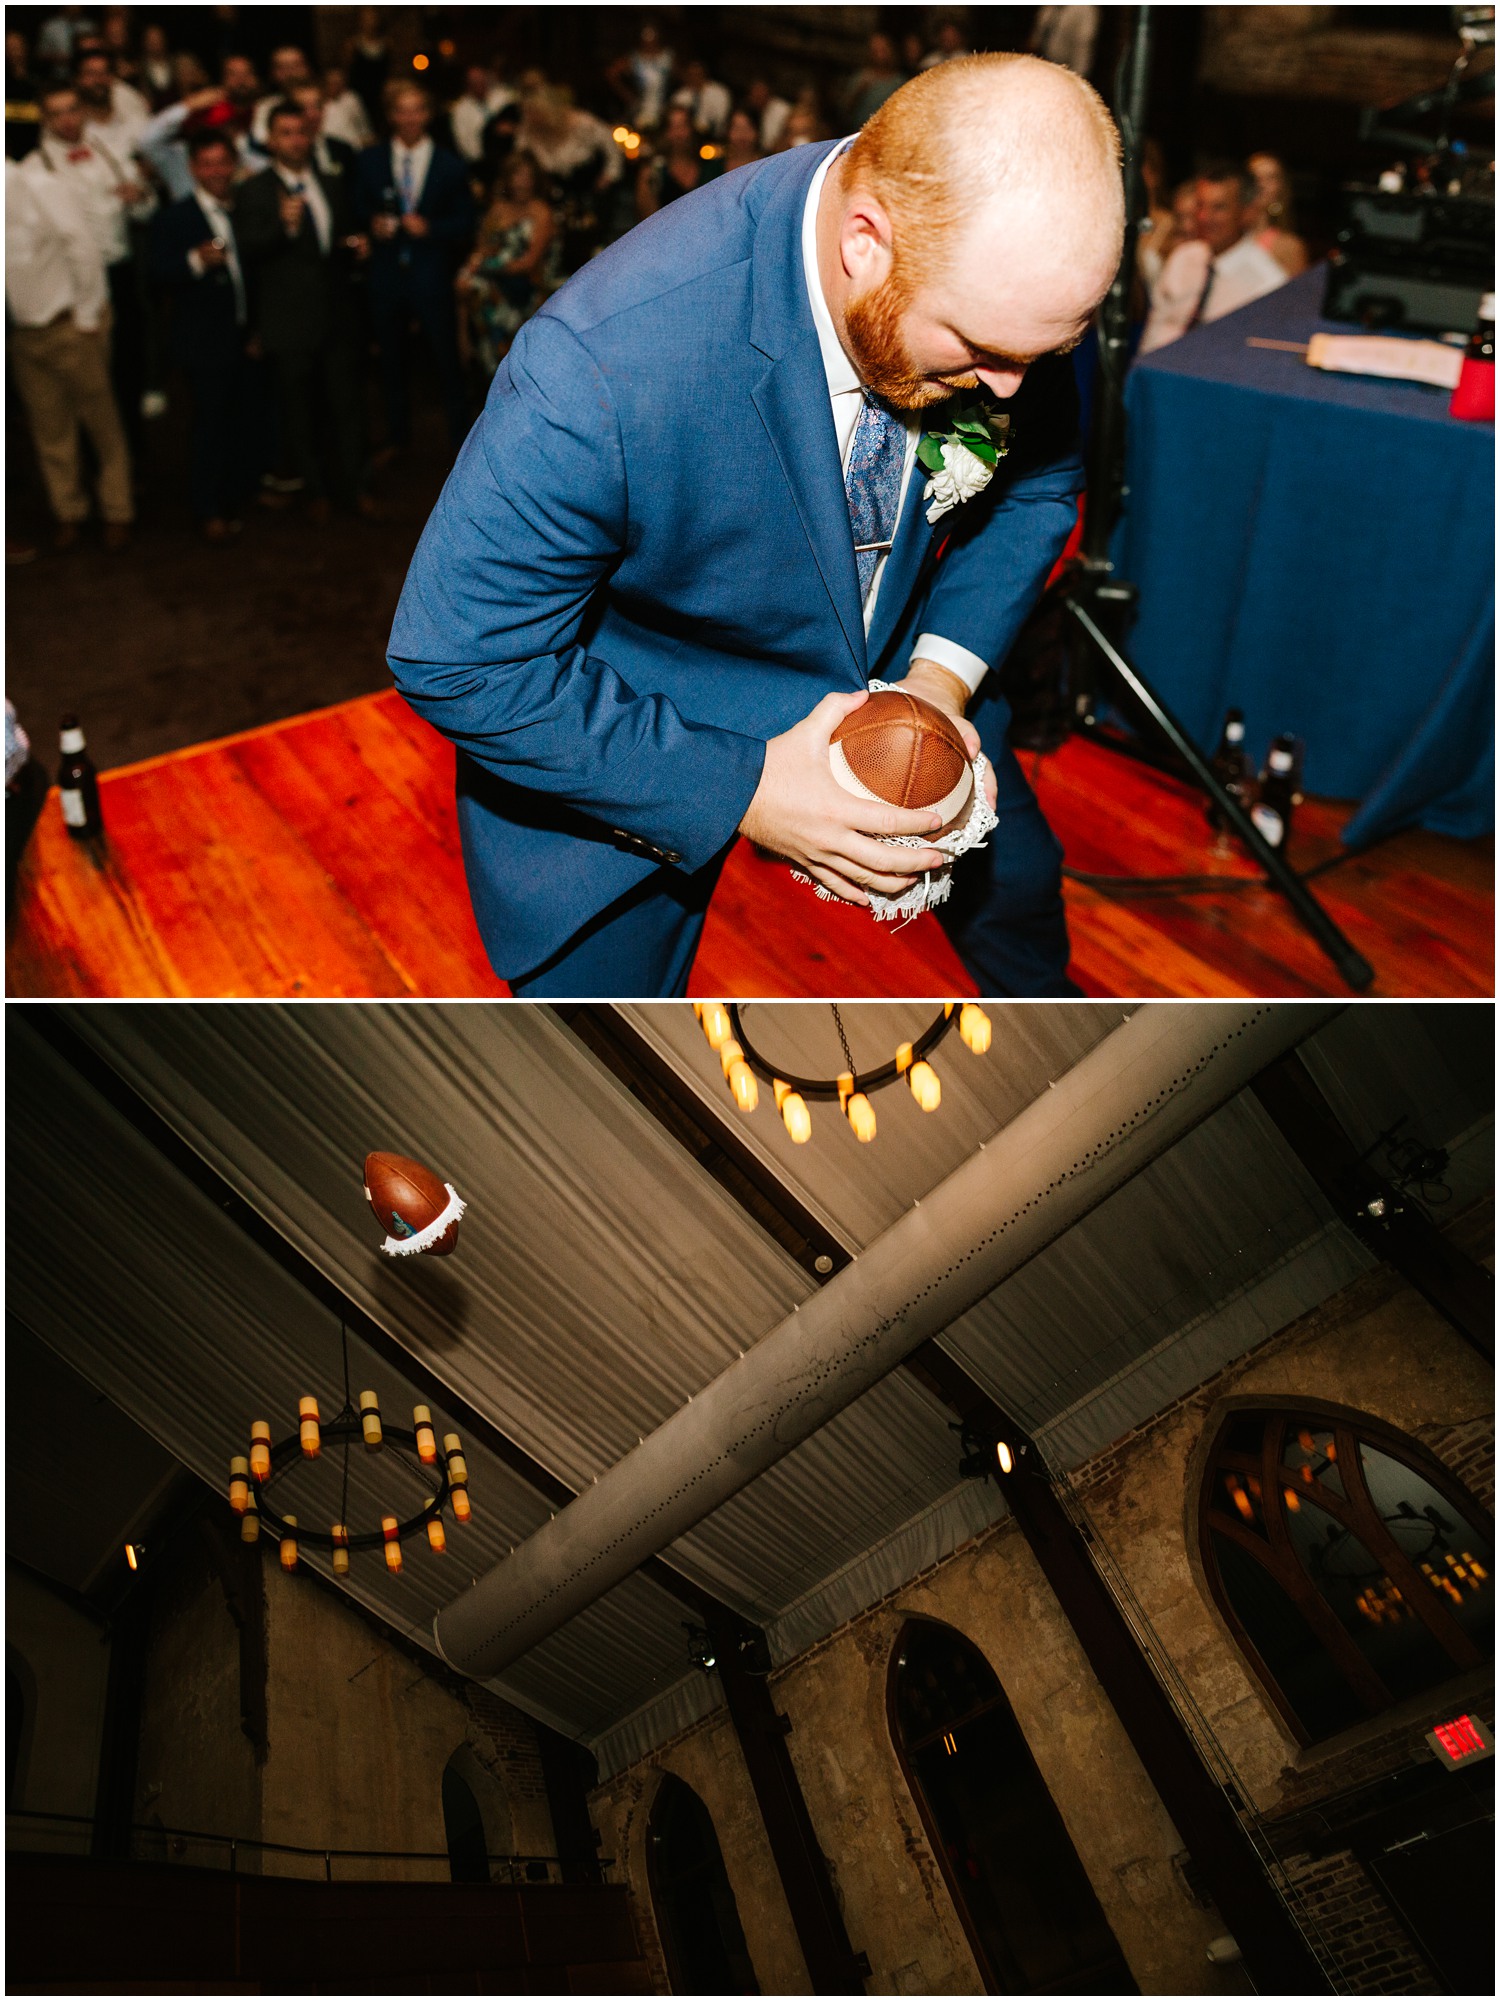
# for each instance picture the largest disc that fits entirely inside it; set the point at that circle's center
(505, 1743)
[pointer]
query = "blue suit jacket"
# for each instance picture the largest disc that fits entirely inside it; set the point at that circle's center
(446, 205)
(641, 566)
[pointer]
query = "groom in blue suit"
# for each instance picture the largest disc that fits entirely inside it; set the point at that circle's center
(647, 596)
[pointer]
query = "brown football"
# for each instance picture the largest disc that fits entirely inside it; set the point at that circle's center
(903, 750)
(407, 1198)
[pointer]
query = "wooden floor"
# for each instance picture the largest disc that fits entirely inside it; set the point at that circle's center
(320, 857)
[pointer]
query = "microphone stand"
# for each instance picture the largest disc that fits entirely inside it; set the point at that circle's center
(1098, 602)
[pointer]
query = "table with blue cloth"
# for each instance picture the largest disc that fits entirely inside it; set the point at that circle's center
(1319, 551)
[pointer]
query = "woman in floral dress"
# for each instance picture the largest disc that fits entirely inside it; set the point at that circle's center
(507, 277)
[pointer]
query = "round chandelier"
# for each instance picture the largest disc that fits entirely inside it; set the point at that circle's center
(723, 1023)
(252, 1476)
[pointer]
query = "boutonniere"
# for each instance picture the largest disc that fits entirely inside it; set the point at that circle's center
(962, 459)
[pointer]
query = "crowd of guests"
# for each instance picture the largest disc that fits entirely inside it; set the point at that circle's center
(265, 239)
(261, 238)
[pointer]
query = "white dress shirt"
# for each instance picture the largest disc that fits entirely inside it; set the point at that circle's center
(710, 107)
(306, 185)
(420, 157)
(52, 260)
(847, 398)
(120, 128)
(470, 115)
(1244, 272)
(345, 117)
(220, 222)
(96, 180)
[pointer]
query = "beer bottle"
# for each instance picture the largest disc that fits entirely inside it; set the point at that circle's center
(1232, 768)
(1272, 812)
(78, 785)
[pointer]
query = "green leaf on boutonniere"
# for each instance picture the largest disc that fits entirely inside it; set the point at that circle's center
(981, 447)
(930, 452)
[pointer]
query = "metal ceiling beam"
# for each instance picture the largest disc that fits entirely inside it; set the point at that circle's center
(1130, 1099)
(1391, 1225)
(718, 1149)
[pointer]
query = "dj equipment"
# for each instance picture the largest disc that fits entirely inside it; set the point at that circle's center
(1418, 261)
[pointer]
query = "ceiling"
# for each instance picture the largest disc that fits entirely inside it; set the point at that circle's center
(604, 1275)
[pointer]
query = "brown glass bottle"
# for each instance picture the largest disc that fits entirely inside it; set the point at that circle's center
(78, 785)
(1272, 813)
(1232, 768)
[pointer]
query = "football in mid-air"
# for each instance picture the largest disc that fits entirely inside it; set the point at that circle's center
(904, 751)
(417, 1210)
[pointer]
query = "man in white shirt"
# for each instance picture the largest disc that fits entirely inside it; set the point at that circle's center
(483, 95)
(58, 299)
(114, 193)
(1220, 270)
(114, 113)
(709, 102)
(771, 110)
(344, 114)
(289, 70)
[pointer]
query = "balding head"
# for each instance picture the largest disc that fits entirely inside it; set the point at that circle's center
(973, 226)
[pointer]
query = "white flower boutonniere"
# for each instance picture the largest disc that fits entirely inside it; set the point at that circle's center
(962, 459)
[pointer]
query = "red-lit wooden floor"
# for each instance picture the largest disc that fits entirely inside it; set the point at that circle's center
(319, 857)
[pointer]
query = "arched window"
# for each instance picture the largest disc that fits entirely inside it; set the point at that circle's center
(1352, 1569)
(468, 1857)
(696, 1914)
(1030, 1912)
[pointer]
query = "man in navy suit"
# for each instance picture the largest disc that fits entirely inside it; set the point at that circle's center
(413, 197)
(195, 258)
(689, 529)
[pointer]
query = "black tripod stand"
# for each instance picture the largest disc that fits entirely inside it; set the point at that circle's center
(1098, 602)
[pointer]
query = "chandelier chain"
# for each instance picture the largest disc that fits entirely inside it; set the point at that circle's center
(838, 1022)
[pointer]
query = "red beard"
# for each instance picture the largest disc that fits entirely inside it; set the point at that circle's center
(872, 326)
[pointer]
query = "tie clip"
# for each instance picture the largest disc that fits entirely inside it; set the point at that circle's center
(870, 548)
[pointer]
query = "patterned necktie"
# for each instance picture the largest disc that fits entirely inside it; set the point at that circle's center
(408, 184)
(872, 485)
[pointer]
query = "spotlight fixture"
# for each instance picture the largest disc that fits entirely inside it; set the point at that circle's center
(250, 1480)
(723, 1025)
(701, 1650)
(984, 1453)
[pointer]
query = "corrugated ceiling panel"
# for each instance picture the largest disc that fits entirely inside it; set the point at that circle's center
(69, 1528)
(885, 1459)
(858, 1191)
(602, 1277)
(135, 1278)
(1227, 1204)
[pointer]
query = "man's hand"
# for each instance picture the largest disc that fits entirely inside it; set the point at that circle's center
(212, 255)
(414, 224)
(385, 225)
(942, 687)
(292, 208)
(800, 811)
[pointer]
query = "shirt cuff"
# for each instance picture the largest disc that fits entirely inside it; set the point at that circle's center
(958, 660)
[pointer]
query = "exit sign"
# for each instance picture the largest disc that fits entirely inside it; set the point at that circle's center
(1464, 1741)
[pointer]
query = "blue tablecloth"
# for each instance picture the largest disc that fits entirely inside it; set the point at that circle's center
(1319, 551)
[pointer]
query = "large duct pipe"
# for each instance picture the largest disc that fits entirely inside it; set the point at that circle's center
(1162, 1072)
